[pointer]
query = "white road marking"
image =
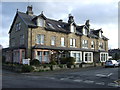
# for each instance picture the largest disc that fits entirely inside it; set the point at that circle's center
(100, 83)
(88, 81)
(63, 78)
(77, 80)
(103, 75)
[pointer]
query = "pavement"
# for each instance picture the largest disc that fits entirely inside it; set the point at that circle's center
(94, 77)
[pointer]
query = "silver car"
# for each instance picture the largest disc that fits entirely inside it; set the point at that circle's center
(111, 63)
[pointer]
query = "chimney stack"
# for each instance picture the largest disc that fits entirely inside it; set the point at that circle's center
(70, 20)
(29, 10)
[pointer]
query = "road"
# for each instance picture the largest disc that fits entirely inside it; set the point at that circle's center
(95, 77)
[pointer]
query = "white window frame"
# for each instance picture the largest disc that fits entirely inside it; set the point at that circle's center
(104, 58)
(72, 42)
(76, 52)
(88, 57)
(85, 44)
(84, 31)
(62, 41)
(100, 34)
(40, 22)
(53, 39)
(72, 28)
(40, 39)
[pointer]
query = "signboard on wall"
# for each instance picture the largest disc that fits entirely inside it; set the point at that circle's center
(26, 61)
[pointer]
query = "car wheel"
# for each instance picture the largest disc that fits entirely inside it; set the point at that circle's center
(114, 65)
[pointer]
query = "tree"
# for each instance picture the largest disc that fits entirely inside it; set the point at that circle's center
(116, 57)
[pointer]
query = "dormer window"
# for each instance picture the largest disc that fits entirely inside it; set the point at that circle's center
(40, 22)
(84, 31)
(100, 34)
(72, 28)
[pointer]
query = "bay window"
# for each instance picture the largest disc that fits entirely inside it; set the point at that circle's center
(88, 57)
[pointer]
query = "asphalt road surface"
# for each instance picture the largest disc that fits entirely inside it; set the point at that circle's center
(95, 77)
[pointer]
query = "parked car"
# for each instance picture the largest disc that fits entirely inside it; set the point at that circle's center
(111, 63)
(118, 62)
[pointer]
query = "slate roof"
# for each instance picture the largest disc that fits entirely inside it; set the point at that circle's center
(27, 18)
(54, 25)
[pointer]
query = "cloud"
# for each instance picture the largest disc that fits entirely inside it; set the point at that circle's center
(102, 14)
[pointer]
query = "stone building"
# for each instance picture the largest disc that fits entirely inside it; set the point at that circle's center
(38, 37)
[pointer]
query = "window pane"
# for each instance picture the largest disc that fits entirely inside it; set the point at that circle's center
(62, 41)
(74, 41)
(53, 40)
(70, 42)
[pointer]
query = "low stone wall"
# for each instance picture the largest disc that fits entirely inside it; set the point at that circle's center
(12, 68)
(87, 65)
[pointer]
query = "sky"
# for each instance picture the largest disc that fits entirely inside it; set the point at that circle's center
(101, 13)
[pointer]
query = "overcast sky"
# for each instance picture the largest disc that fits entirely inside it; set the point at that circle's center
(101, 13)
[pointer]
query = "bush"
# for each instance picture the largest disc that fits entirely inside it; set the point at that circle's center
(63, 60)
(35, 62)
(53, 62)
(27, 68)
(70, 60)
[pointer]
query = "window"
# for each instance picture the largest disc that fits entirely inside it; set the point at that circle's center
(46, 56)
(72, 42)
(50, 25)
(18, 26)
(53, 40)
(62, 41)
(100, 45)
(40, 22)
(100, 34)
(72, 28)
(43, 56)
(77, 55)
(84, 31)
(92, 44)
(85, 44)
(21, 39)
(39, 53)
(103, 57)
(88, 57)
(40, 39)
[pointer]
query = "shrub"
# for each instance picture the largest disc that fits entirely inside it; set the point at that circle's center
(53, 62)
(70, 60)
(35, 62)
(63, 60)
(27, 68)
